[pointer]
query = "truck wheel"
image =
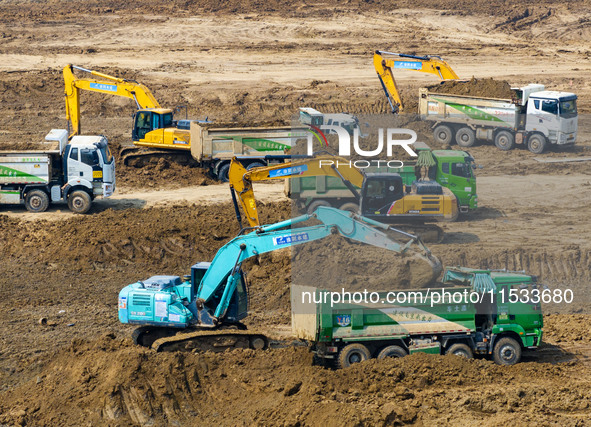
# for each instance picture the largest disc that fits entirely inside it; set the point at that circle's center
(462, 350)
(353, 353)
(504, 140)
(79, 201)
(507, 352)
(312, 207)
(392, 351)
(223, 172)
(537, 143)
(36, 201)
(255, 165)
(443, 135)
(350, 207)
(465, 137)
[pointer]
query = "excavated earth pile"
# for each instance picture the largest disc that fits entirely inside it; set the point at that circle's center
(110, 381)
(487, 88)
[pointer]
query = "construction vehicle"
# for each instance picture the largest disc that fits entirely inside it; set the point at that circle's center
(76, 172)
(349, 122)
(157, 134)
(533, 116)
(205, 311)
(452, 169)
(214, 147)
(474, 317)
(385, 62)
(382, 196)
(153, 126)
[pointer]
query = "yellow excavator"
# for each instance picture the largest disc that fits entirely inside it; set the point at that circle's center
(153, 127)
(381, 197)
(385, 62)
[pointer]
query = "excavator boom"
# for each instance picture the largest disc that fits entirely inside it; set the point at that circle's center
(241, 179)
(385, 62)
(108, 85)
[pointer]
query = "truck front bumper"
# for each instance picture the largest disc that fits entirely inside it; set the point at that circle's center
(566, 138)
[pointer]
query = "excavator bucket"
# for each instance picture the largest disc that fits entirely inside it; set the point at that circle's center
(424, 270)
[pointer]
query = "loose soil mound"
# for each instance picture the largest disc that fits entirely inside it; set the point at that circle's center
(110, 381)
(486, 88)
(337, 263)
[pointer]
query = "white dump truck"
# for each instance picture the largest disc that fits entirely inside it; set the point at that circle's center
(74, 172)
(534, 116)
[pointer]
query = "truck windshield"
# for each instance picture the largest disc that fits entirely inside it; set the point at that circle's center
(568, 108)
(105, 152)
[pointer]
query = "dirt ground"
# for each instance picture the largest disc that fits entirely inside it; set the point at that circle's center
(257, 62)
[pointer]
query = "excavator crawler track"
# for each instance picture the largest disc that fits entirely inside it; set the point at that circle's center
(140, 157)
(429, 233)
(211, 340)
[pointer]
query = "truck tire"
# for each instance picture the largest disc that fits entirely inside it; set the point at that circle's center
(353, 353)
(504, 140)
(315, 204)
(507, 352)
(537, 143)
(462, 350)
(36, 201)
(350, 207)
(443, 134)
(465, 137)
(223, 172)
(255, 165)
(79, 201)
(392, 351)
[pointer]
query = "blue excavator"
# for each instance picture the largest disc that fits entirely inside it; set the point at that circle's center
(204, 312)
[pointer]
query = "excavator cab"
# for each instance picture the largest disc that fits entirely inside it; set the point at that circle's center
(379, 192)
(147, 120)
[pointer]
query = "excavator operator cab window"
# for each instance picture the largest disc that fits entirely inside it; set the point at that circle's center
(143, 124)
(379, 193)
(238, 308)
(156, 121)
(166, 120)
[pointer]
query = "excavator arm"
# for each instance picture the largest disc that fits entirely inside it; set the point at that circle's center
(241, 179)
(385, 62)
(225, 268)
(108, 85)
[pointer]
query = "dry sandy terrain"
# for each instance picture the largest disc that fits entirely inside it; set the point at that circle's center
(255, 62)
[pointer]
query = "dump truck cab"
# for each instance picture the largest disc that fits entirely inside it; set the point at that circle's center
(89, 164)
(454, 169)
(514, 310)
(554, 115)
